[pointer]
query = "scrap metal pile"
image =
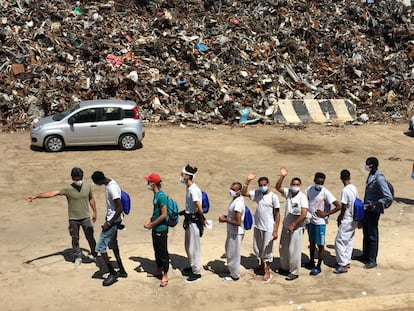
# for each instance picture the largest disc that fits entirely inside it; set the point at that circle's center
(203, 61)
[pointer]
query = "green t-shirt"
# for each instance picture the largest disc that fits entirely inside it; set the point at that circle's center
(78, 201)
(160, 199)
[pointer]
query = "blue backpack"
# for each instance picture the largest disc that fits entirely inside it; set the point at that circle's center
(359, 209)
(205, 203)
(172, 213)
(126, 202)
(248, 219)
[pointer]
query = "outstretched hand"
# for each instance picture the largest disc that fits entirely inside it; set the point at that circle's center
(283, 171)
(251, 176)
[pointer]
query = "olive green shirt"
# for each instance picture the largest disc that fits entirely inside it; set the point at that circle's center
(78, 201)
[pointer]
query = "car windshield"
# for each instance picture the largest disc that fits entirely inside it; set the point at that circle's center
(59, 116)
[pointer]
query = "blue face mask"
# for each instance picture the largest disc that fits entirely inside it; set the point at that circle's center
(264, 189)
(412, 175)
(318, 187)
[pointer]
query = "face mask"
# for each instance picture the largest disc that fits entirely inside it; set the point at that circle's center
(295, 188)
(182, 180)
(367, 167)
(264, 189)
(78, 182)
(233, 193)
(412, 175)
(149, 187)
(318, 187)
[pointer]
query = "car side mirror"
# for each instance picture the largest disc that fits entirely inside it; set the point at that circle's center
(71, 121)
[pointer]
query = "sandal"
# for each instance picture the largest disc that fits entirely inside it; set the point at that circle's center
(340, 270)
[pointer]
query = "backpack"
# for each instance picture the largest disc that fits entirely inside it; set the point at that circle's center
(172, 213)
(391, 187)
(205, 202)
(248, 219)
(359, 209)
(126, 202)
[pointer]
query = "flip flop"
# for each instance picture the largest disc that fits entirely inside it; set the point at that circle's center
(164, 283)
(268, 280)
(340, 270)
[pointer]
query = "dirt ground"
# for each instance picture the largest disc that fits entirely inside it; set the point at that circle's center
(36, 269)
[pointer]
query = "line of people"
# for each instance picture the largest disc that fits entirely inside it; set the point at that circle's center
(302, 210)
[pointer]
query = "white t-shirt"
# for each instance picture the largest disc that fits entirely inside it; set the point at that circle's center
(193, 194)
(348, 196)
(236, 205)
(112, 192)
(317, 202)
(266, 203)
(293, 207)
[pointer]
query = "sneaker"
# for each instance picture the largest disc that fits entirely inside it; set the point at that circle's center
(291, 277)
(193, 278)
(230, 279)
(111, 279)
(77, 263)
(370, 265)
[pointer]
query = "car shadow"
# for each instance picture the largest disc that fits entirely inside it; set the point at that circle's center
(89, 148)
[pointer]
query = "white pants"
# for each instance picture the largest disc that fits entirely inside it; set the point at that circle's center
(344, 242)
(233, 244)
(192, 247)
(291, 250)
(263, 245)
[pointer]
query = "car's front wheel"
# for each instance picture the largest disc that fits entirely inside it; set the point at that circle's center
(54, 143)
(128, 142)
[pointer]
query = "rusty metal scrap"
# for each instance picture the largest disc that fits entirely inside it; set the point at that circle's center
(204, 60)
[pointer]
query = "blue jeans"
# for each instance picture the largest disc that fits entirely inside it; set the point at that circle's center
(108, 239)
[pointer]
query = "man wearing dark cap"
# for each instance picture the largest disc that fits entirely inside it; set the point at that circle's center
(157, 223)
(377, 196)
(79, 197)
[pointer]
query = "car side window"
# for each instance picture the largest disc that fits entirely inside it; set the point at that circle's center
(87, 115)
(112, 113)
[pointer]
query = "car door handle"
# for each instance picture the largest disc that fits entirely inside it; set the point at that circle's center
(93, 125)
(120, 124)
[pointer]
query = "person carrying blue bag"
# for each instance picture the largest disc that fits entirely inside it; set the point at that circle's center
(235, 231)
(158, 224)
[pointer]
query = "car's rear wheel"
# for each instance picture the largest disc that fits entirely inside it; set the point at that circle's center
(54, 143)
(128, 142)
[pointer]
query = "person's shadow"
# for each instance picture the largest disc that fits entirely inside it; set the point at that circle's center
(146, 265)
(67, 254)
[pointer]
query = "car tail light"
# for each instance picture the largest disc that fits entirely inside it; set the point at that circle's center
(136, 113)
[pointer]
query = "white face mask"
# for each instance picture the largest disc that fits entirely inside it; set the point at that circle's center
(367, 168)
(182, 180)
(149, 187)
(233, 193)
(295, 188)
(78, 182)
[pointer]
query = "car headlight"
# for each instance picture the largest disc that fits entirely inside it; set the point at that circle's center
(35, 128)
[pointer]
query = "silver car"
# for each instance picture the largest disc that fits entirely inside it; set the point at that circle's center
(91, 123)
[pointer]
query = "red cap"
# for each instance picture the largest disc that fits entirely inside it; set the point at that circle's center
(155, 178)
